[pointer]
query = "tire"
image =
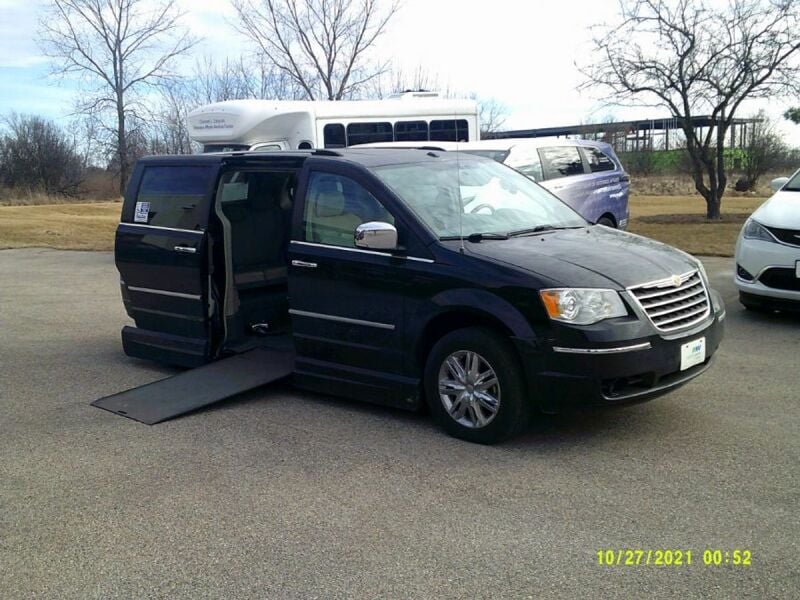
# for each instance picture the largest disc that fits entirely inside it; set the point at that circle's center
(607, 222)
(467, 414)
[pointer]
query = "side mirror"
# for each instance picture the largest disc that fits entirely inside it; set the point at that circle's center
(778, 183)
(376, 235)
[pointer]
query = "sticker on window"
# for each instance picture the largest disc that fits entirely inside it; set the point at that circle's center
(142, 212)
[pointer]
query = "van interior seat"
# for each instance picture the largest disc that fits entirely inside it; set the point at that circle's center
(331, 224)
(258, 237)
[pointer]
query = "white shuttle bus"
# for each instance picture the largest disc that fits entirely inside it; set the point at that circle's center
(297, 125)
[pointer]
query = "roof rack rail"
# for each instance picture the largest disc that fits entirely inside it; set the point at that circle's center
(326, 152)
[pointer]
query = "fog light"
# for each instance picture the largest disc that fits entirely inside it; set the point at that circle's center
(742, 273)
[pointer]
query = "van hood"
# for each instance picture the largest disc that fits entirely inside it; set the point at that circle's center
(593, 256)
(781, 211)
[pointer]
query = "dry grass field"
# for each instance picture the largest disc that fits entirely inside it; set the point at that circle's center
(87, 226)
(676, 220)
(680, 221)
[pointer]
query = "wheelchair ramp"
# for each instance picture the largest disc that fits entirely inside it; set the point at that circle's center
(182, 393)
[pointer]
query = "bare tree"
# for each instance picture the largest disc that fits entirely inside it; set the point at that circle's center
(694, 57)
(169, 131)
(764, 151)
(35, 154)
(395, 80)
(322, 45)
(119, 48)
(239, 79)
(492, 115)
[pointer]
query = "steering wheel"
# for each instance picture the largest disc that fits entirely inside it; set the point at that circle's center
(481, 207)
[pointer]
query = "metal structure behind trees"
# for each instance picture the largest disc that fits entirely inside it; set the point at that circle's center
(641, 135)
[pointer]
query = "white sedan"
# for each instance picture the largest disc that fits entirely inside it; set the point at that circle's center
(768, 251)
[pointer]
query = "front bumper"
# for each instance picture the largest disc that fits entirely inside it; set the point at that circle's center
(755, 259)
(616, 372)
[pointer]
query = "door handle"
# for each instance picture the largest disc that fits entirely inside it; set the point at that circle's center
(302, 263)
(185, 249)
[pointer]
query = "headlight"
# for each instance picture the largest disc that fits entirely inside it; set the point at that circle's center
(582, 306)
(753, 230)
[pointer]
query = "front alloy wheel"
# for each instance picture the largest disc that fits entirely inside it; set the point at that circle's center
(469, 389)
(475, 387)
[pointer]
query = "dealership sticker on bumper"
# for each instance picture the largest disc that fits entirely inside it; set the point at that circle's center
(693, 353)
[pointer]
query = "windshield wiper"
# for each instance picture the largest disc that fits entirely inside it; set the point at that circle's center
(477, 237)
(539, 229)
(530, 230)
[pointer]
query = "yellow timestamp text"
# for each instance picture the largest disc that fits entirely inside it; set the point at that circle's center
(710, 557)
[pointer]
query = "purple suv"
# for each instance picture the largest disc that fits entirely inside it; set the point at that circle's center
(585, 174)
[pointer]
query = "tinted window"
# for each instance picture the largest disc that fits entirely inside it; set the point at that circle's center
(598, 161)
(335, 206)
(411, 131)
(367, 133)
(334, 135)
(174, 197)
(561, 161)
(527, 162)
(453, 130)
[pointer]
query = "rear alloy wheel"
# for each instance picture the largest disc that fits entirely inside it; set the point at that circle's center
(474, 386)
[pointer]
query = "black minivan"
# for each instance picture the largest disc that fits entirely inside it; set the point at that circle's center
(407, 277)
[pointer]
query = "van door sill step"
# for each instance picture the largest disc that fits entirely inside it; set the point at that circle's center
(182, 393)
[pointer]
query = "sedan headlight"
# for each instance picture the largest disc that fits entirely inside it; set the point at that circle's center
(582, 306)
(753, 230)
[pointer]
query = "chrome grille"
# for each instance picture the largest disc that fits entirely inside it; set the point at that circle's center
(671, 307)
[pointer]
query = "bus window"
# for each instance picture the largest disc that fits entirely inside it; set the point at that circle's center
(451, 130)
(411, 131)
(334, 135)
(366, 133)
(225, 147)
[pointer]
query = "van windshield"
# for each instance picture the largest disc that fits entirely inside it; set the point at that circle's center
(491, 198)
(793, 185)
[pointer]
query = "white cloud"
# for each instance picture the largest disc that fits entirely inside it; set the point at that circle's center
(18, 27)
(521, 52)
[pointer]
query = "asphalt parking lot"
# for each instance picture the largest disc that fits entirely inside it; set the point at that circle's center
(280, 494)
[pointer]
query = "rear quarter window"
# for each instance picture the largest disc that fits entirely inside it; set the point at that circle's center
(173, 196)
(598, 160)
(561, 161)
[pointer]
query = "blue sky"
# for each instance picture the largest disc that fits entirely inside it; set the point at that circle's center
(520, 52)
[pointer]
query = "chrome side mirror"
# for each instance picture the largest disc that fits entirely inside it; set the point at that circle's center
(778, 183)
(376, 235)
